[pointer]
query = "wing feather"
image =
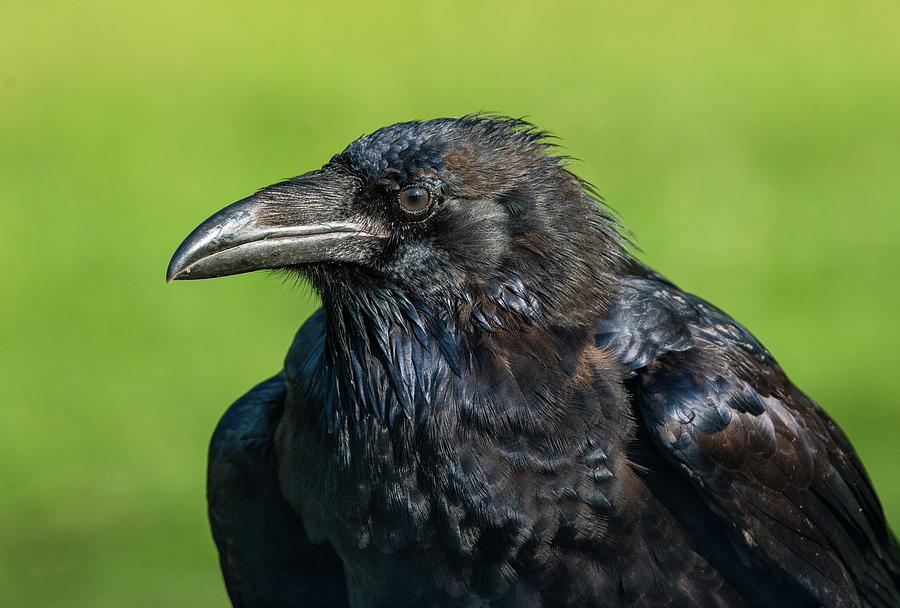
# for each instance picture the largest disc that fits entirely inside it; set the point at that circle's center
(266, 558)
(772, 466)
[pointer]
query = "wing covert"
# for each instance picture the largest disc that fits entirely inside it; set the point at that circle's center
(771, 465)
(266, 558)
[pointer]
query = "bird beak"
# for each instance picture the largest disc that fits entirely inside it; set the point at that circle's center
(300, 221)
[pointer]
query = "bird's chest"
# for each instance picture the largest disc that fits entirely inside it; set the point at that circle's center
(447, 511)
(497, 474)
(392, 491)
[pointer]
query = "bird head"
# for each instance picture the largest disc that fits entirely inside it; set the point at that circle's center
(477, 208)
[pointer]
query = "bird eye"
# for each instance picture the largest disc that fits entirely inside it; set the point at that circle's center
(414, 200)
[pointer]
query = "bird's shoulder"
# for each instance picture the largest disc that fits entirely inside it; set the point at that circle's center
(246, 426)
(306, 347)
(266, 556)
(766, 459)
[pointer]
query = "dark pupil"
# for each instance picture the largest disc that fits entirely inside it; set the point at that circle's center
(414, 199)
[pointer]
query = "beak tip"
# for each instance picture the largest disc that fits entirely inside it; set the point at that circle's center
(175, 271)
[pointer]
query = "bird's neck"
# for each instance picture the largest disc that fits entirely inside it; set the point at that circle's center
(390, 356)
(386, 356)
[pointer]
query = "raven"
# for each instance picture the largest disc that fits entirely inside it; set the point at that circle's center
(498, 405)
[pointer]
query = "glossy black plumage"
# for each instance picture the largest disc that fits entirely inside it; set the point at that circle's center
(498, 406)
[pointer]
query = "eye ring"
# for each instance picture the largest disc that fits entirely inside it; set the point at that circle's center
(414, 199)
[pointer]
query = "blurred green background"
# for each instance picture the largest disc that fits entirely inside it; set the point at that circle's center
(755, 152)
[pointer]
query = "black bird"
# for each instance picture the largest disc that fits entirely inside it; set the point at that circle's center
(497, 405)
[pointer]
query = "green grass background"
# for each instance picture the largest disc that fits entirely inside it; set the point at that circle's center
(754, 151)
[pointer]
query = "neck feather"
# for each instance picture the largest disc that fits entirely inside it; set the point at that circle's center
(392, 355)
